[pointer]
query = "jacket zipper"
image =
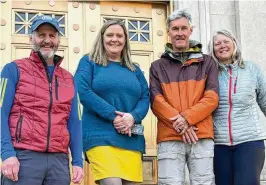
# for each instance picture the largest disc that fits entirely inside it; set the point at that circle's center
(51, 100)
(181, 69)
(56, 88)
(49, 111)
(230, 107)
(180, 100)
(19, 129)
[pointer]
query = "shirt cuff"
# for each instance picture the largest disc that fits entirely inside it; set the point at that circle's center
(77, 163)
(7, 155)
(136, 117)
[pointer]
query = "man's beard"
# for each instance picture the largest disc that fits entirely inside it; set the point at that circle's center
(45, 55)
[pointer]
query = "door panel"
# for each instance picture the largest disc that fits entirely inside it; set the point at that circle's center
(20, 51)
(144, 59)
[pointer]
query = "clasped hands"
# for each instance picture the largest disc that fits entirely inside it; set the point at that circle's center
(187, 132)
(123, 122)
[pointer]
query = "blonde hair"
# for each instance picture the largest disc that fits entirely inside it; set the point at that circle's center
(98, 52)
(237, 55)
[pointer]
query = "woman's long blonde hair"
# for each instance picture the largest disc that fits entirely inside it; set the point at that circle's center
(98, 52)
(237, 55)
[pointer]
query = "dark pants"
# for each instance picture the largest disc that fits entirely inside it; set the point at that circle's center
(238, 165)
(41, 169)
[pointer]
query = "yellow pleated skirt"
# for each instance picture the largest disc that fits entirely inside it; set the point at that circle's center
(109, 161)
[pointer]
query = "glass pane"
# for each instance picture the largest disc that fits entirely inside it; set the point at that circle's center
(135, 23)
(62, 21)
(142, 23)
(31, 15)
(23, 15)
(22, 31)
(135, 38)
(58, 17)
(17, 18)
(17, 26)
(146, 27)
(130, 27)
(142, 39)
(131, 34)
(62, 29)
(147, 35)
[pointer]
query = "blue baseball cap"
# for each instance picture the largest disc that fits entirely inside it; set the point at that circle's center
(42, 19)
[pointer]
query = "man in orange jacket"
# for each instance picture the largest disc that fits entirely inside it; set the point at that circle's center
(184, 93)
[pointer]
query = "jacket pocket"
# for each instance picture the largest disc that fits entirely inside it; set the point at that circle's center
(19, 129)
(56, 88)
(64, 91)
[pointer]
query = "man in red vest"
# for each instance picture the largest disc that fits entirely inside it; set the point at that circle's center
(40, 118)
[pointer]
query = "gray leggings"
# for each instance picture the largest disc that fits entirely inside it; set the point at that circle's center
(115, 181)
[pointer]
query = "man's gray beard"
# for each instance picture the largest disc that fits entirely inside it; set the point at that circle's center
(46, 57)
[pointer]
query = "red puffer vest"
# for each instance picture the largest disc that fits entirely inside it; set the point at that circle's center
(38, 118)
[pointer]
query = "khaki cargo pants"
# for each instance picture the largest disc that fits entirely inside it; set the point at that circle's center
(173, 156)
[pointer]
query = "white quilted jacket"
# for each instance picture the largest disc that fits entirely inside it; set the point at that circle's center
(242, 96)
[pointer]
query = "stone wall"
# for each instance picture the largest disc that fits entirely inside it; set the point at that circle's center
(245, 19)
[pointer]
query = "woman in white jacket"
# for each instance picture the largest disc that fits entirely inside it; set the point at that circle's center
(239, 130)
